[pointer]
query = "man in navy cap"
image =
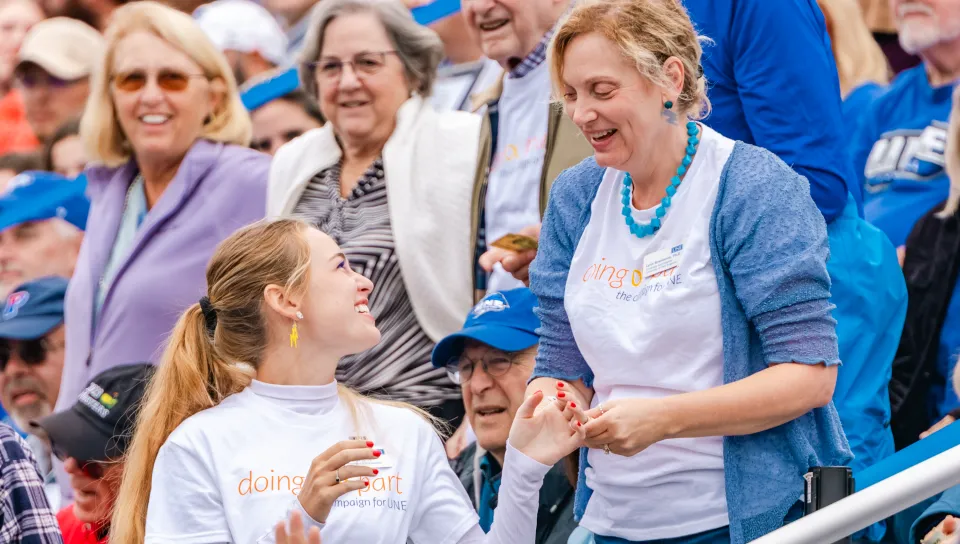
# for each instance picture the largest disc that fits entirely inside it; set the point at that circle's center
(42, 217)
(31, 359)
(91, 439)
(492, 358)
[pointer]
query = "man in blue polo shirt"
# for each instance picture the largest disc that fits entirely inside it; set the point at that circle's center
(897, 150)
(42, 217)
(491, 359)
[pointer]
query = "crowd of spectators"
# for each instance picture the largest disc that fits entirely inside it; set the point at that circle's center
(640, 264)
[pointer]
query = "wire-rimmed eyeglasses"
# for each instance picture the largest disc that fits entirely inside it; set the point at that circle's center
(363, 64)
(460, 369)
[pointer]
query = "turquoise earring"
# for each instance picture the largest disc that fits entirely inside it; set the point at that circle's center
(668, 114)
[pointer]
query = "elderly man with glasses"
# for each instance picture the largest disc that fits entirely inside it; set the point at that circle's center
(491, 359)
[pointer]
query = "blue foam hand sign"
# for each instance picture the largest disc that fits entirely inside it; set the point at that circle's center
(435, 11)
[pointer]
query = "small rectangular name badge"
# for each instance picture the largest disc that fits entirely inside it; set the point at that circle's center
(383, 462)
(661, 261)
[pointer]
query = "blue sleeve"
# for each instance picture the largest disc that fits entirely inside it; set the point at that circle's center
(947, 504)
(566, 216)
(858, 101)
(865, 134)
(773, 243)
(790, 92)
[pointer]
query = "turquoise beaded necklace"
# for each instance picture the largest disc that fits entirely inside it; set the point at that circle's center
(641, 231)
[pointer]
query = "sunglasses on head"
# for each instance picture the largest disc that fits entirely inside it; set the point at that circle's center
(31, 352)
(93, 469)
(167, 80)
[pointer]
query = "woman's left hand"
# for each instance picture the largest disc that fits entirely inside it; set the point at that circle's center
(625, 426)
(296, 533)
(543, 434)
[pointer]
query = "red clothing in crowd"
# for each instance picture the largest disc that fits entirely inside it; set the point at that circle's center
(75, 531)
(15, 132)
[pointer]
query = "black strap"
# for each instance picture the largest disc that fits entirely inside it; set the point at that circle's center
(209, 315)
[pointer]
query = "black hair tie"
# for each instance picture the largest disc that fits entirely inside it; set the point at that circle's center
(699, 71)
(209, 315)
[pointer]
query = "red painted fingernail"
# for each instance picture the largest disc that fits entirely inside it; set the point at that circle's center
(578, 424)
(561, 394)
(375, 472)
(369, 444)
(573, 405)
(560, 385)
(376, 453)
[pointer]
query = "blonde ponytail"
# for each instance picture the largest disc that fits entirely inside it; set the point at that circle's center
(190, 378)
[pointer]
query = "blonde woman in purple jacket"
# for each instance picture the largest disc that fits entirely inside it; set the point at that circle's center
(171, 178)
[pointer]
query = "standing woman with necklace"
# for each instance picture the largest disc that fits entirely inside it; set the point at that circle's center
(684, 297)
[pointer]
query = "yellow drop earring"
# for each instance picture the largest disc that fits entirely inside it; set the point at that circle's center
(294, 335)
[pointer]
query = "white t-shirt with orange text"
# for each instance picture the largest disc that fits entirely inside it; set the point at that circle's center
(231, 472)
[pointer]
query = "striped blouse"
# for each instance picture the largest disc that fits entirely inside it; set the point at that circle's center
(399, 367)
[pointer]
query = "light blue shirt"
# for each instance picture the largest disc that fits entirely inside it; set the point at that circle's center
(134, 212)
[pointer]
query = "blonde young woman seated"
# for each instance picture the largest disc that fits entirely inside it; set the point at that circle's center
(231, 456)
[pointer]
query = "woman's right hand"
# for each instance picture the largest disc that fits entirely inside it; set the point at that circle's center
(320, 488)
(944, 533)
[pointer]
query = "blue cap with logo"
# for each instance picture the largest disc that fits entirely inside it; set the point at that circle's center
(504, 320)
(33, 309)
(37, 196)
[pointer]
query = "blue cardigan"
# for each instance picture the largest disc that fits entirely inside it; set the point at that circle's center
(769, 250)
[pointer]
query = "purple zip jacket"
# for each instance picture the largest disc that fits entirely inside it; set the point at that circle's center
(218, 189)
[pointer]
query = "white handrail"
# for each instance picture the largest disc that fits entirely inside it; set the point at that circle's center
(873, 504)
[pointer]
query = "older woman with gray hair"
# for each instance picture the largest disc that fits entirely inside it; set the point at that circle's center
(391, 180)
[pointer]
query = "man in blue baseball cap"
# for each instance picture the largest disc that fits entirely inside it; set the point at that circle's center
(491, 359)
(31, 360)
(42, 217)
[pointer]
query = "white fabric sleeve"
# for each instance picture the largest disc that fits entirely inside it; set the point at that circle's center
(271, 538)
(185, 506)
(444, 512)
(515, 519)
